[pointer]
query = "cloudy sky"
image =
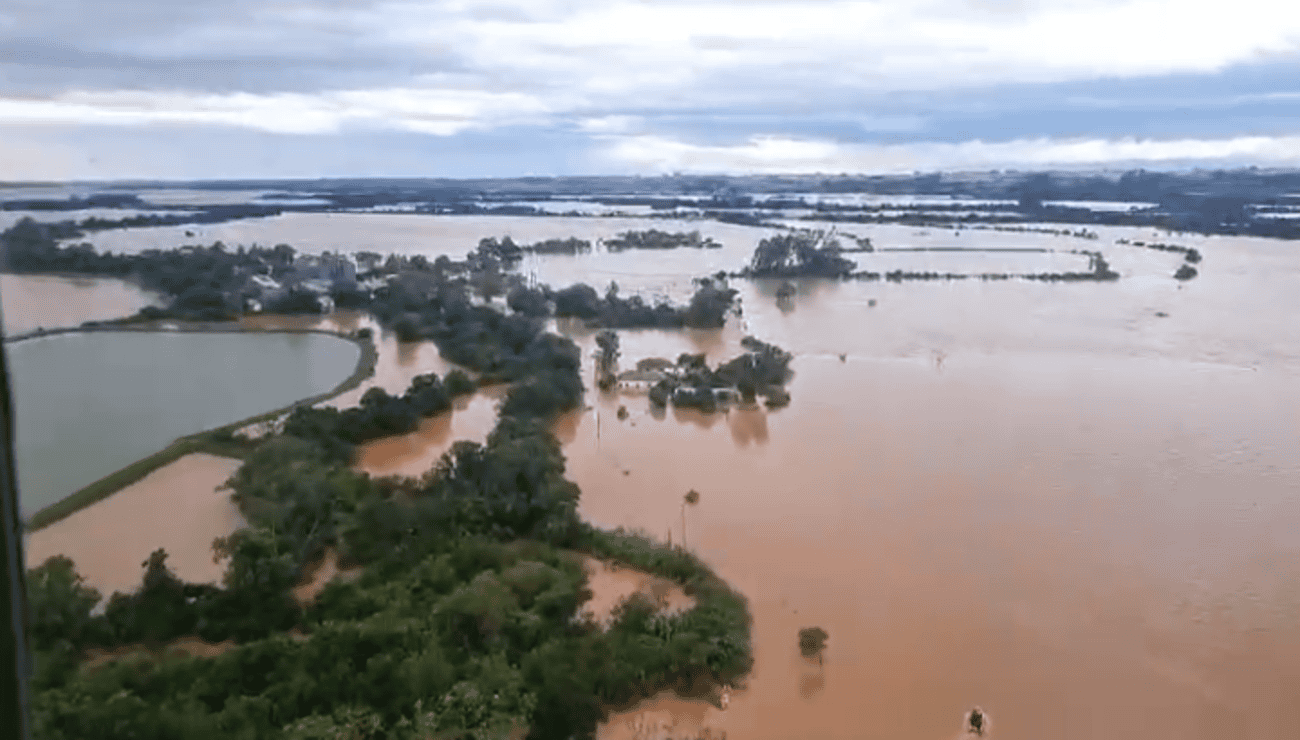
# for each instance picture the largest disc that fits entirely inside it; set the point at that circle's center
(463, 88)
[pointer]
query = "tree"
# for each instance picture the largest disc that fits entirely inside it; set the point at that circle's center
(812, 640)
(60, 603)
(709, 306)
(578, 300)
(283, 253)
(801, 254)
(607, 341)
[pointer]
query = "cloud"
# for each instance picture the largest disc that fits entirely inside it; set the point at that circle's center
(769, 81)
(438, 112)
(776, 155)
(616, 50)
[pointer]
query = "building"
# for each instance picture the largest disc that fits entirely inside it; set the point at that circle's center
(640, 379)
(338, 270)
(260, 291)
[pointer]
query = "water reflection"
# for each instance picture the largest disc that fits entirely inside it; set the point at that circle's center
(811, 683)
(748, 426)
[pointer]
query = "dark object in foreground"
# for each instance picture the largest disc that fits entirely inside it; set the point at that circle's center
(15, 648)
(976, 721)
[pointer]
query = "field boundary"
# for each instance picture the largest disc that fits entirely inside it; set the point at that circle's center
(213, 441)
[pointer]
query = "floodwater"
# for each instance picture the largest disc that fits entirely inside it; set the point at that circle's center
(30, 302)
(88, 404)
(177, 507)
(1048, 500)
(612, 584)
(396, 362)
(400, 233)
(412, 455)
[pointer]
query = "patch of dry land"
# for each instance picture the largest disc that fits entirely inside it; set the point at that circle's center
(177, 507)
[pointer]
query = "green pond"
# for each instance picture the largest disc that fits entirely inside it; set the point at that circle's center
(86, 405)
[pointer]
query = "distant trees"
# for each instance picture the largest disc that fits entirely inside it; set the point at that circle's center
(572, 245)
(655, 239)
(709, 306)
(799, 254)
(707, 309)
(202, 283)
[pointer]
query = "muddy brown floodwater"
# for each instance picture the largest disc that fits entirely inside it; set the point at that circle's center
(611, 584)
(1073, 505)
(30, 302)
(177, 507)
(397, 362)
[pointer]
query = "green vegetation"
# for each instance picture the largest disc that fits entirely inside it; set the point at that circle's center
(464, 621)
(763, 369)
(202, 283)
(708, 308)
(799, 254)
(378, 415)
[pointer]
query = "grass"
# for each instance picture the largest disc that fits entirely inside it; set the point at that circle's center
(212, 441)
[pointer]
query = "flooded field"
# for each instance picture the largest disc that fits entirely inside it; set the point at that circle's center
(176, 507)
(396, 364)
(401, 233)
(31, 302)
(1071, 504)
(88, 404)
(413, 454)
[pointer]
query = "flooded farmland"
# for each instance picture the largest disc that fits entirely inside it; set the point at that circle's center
(88, 404)
(1071, 504)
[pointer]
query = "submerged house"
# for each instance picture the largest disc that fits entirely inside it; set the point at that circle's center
(640, 379)
(339, 271)
(260, 291)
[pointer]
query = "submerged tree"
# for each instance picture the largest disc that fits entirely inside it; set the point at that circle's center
(801, 254)
(607, 341)
(812, 640)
